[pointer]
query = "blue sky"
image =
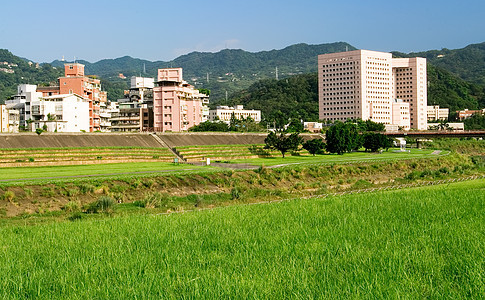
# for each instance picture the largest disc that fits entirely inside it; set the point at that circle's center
(162, 30)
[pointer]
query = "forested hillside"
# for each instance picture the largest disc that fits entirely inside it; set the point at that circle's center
(294, 97)
(449, 91)
(467, 63)
(15, 70)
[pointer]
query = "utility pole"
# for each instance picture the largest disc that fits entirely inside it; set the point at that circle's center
(276, 73)
(207, 77)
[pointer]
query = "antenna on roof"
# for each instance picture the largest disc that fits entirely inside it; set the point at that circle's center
(144, 69)
(346, 48)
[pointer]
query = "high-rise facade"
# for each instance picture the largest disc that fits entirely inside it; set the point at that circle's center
(364, 84)
(177, 106)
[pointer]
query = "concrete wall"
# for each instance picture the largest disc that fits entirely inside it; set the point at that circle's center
(192, 139)
(57, 140)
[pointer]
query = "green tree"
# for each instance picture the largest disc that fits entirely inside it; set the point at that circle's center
(342, 137)
(205, 91)
(369, 125)
(233, 123)
(375, 141)
(314, 146)
(210, 126)
(295, 126)
(475, 122)
(282, 142)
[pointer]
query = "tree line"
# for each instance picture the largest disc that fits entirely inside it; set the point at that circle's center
(339, 139)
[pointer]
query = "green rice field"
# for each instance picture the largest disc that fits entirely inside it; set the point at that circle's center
(87, 170)
(424, 242)
(60, 172)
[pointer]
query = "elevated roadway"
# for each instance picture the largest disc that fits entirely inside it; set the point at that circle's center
(437, 134)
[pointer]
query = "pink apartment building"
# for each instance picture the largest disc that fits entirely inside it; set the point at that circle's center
(364, 84)
(177, 106)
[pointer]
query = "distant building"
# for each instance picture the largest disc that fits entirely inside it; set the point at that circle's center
(224, 113)
(89, 87)
(363, 84)
(446, 126)
(135, 111)
(26, 94)
(437, 113)
(177, 106)
(61, 113)
(465, 114)
(106, 112)
(9, 119)
(313, 126)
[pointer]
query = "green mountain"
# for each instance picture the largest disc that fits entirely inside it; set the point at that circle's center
(449, 91)
(295, 97)
(456, 77)
(468, 63)
(225, 71)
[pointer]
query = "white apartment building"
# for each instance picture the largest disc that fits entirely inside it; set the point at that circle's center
(142, 82)
(363, 84)
(434, 112)
(224, 113)
(26, 94)
(3, 118)
(61, 113)
(9, 119)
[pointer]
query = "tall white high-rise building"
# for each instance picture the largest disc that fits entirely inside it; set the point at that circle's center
(364, 84)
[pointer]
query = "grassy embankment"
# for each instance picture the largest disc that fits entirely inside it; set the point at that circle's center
(82, 155)
(413, 243)
(37, 173)
(154, 193)
(206, 187)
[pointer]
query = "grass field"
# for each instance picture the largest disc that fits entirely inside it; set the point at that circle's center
(335, 158)
(413, 243)
(83, 170)
(115, 169)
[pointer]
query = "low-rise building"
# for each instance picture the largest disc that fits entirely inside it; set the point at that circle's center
(313, 126)
(26, 94)
(446, 126)
(224, 113)
(106, 112)
(465, 114)
(134, 113)
(437, 113)
(9, 119)
(131, 116)
(61, 113)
